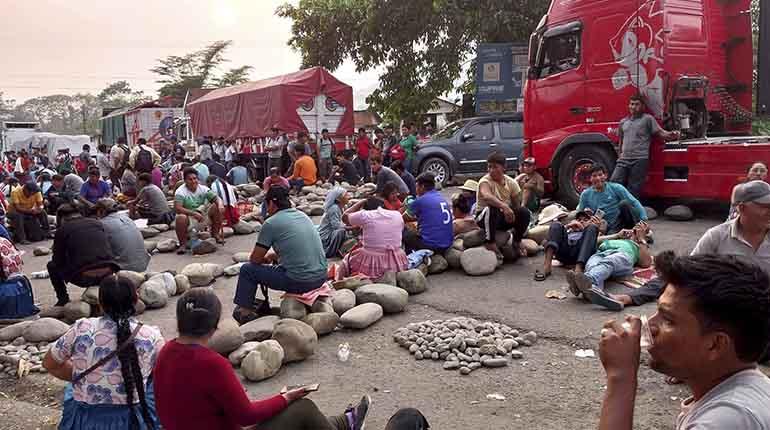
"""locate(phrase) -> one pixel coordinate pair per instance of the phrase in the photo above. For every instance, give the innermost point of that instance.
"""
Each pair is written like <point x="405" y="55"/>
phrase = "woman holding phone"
<point x="196" y="388"/>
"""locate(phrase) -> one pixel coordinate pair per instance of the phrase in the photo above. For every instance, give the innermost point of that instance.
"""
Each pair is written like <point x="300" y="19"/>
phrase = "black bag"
<point x="143" y="162"/>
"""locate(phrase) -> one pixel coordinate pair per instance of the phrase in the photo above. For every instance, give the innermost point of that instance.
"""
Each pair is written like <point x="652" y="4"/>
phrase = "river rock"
<point x="511" y="253"/>
<point x="351" y="283"/>
<point x="161" y="227"/>
<point x="244" y="228"/>
<point x="227" y="232"/>
<point x="233" y="270"/>
<point x="44" y="330"/>
<point x="135" y="278"/>
<point x="413" y="281"/>
<point x="139" y="307"/>
<point x="438" y="264"/>
<point x="260" y="329"/>
<point x="388" y="278"/>
<point x="198" y="274"/>
<point x="216" y="269"/>
<point x="153" y="293"/>
<point x="343" y="301"/>
<point x="293" y="308"/>
<point x="538" y="233"/>
<point x="322" y="304"/>
<point x="322" y="322"/>
<point x="452" y="257"/>
<point x="204" y="247"/>
<point x="495" y="362"/>
<point x="74" y="311"/>
<point x="40" y="251"/>
<point x="227" y="338"/>
<point x="52" y="312"/>
<point x="502" y="238"/>
<point x="651" y="213"/>
<point x="472" y="239"/>
<point x="167" y="245"/>
<point x="250" y="190"/>
<point x="362" y="316"/>
<point x="168" y="282"/>
<point x="241" y="257"/>
<point x="237" y="356"/>
<point x="299" y="340"/>
<point x="679" y="213"/>
<point x="531" y="247"/>
<point x="392" y="299"/>
<point x="148" y="232"/>
<point x="264" y="361"/>
<point x="11" y="332"/>
<point x="478" y="261"/>
<point x="182" y="283"/>
<point x="91" y="296"/>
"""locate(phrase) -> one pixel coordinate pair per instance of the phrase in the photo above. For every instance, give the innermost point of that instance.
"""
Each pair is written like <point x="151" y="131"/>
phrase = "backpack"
<point x="397" y="152"/>
<point x="80" y="166"/>
<point x="126" y="153"/>
<point x="16" y="298"/>
<point x="143" y="162"/>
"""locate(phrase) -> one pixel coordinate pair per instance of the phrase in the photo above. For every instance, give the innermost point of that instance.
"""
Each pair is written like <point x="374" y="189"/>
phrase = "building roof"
<point x="365" y="118"/>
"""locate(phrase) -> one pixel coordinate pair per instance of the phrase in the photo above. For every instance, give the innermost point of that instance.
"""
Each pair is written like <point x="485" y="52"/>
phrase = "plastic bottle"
<point x="343" y="353"/>
<point x="43" y="274"/>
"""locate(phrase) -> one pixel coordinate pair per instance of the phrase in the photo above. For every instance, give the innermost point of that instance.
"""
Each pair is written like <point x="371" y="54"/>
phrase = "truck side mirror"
<point x="533" y="73"/>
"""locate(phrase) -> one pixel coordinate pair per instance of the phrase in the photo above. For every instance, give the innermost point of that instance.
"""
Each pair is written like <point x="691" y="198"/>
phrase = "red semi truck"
<point x="691" y="60"/>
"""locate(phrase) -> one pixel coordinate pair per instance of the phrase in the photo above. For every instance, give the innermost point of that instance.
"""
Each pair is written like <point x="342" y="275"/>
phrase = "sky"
<point x="70" y="46"/>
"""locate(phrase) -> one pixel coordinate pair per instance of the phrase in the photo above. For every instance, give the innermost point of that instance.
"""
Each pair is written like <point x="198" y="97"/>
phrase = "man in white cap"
<point x="532" y="185"/>
<point x="469" y="190"/>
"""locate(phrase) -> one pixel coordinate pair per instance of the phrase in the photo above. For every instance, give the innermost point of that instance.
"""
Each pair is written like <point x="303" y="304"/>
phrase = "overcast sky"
<point x="70" y="46"/>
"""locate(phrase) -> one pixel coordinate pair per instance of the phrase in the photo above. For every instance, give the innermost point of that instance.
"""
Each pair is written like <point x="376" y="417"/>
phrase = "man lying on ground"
<point x="572" y="244"/>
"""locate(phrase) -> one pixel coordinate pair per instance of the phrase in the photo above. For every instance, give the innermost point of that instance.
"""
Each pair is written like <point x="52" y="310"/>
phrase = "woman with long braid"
<point x="109" y="361"/>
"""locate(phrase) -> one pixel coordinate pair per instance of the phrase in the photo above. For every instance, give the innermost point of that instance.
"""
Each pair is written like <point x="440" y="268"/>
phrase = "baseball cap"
<point x="529" y="160"/>
<point x="753" y="192"/>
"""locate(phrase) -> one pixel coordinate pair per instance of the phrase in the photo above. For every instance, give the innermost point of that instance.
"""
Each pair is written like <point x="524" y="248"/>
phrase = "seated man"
<point x="572" y="244"/>
<point x="408" y="178"/>
<point x="201" y="167"/>
<point x="150" y="203"/>
<point x="238" y="175"/>
<point x="709" y="331"/>
<point x="274" y="180"/>
<point x="305" y="171"/>
<point x="434" y="219"/>
<point x="94" y="188"/>
<point x="498" y="206"/>
<point x="345" y="170"/>
<point x="383" y="175"/>
<point x="461" y="211"/>
<point x="125" y="239"/>
<point x="297" y="250"/>
<point x="621" y="209"/>
<point x="27" y="207"/>
<point x="195" y="206"/>
<point x="64" y="189"/>
<point x="81" y="253"/>
<point x="216" y="167"/>
<point x="532" y="185"/>
<point x="618" y="255"/>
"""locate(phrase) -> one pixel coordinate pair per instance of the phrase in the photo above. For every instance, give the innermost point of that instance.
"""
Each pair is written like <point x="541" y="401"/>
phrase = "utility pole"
<point x="763" y="60"/>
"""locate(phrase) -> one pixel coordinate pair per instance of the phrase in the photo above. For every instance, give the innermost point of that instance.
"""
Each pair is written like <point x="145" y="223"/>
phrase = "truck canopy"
<point x="253" y="108"/>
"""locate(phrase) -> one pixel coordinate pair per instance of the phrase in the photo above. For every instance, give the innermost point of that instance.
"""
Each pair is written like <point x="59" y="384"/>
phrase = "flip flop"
<point x="541" y="276"/>
<point x="599" y="297"/>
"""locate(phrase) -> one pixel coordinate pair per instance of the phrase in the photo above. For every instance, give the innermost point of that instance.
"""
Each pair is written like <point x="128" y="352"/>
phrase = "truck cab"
<point x="690" y="60"/>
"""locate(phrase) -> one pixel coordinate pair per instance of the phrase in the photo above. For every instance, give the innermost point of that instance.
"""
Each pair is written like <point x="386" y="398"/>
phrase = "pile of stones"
<point x="469" y="254"/>
<point x="464" y="343"/>
<point x="28" y="341"/>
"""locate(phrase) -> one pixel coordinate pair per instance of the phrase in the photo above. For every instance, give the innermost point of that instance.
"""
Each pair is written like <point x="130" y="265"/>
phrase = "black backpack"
<point x="143" y="162"/>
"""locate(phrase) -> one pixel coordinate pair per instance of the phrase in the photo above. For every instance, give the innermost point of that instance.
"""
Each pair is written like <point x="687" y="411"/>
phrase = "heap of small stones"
<point x="464" y="343"/>
<point x="11" y="353"/>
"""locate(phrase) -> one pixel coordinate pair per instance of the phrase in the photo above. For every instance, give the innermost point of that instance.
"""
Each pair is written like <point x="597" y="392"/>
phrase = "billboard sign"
<point x="500" y="73"/>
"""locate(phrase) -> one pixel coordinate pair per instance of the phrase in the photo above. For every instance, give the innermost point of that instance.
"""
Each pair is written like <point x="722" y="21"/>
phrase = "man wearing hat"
<point x="27" y="206"/>
<point x="124" y="237"/>
<point x="532" y="185"/>
<point x="469" y="190"/>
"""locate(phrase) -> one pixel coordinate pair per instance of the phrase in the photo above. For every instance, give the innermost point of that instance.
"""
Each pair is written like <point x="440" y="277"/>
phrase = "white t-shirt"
<point x="741" y="401"/>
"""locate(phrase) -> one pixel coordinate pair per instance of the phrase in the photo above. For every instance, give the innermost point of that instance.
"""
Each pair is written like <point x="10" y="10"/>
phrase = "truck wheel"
<point x="574" y="171"/>
<point x="438" y="167"/>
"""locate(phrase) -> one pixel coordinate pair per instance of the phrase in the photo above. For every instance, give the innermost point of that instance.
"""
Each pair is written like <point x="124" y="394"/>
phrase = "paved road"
<point x="549" y="389"/>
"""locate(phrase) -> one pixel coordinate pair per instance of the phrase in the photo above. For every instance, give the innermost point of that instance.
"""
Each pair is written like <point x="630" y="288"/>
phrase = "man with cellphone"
<point x="621" y="209"/>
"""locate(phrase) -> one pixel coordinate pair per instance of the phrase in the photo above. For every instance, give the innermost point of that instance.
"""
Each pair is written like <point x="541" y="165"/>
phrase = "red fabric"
<point x="397" y="153"/>
<point x="232" y="215"/>
<point x="196" y="388"/>
<point x="362" y="146"/>
<point x="251" y="109"/>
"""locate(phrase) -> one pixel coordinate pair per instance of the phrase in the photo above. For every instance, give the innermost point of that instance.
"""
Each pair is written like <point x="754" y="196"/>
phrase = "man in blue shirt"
<point x="434" y="218"/>
<point x="94" y="188"/>
<point x="621" y="209"/>
<point x="238" y="175"/>
<point x="398" y="167"/>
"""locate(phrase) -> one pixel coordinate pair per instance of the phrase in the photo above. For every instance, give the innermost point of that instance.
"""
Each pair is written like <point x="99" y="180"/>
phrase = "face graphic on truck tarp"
<point x="638" y="50"/>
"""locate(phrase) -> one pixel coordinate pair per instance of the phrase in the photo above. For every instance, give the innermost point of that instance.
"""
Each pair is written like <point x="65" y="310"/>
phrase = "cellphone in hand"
<point x="599" y="214"/>
<point x="306" y="387"/>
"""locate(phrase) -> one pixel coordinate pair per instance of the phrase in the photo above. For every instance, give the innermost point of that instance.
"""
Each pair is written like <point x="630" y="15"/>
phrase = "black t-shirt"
<point x="350" y="173"/>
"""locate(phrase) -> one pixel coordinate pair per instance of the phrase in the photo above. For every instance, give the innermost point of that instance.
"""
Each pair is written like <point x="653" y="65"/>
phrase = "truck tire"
<point x="573" y="171"/>
<point x="438" y="167"/>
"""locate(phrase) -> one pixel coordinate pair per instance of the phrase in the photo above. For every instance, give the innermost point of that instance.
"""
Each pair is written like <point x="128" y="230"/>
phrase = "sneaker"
<point x="357" y="416"/>
<point x="599" y="297"/>
<point x="571" y="284"/>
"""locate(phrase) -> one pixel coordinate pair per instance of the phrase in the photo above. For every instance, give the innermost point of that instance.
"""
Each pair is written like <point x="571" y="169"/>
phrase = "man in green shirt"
<point x="617" y="256"/>
<point x="288" y="256"/>
<point x="409" y="145"/>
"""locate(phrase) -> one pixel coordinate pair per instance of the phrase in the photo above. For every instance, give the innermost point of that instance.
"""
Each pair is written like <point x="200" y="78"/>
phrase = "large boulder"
<point x="293" y="308"/>
<point x="362" y="316"/>
<point x="227" y="337"/>
<point x="161" y="227"/>
<point x="233" y="270"/>
<point x="531" y="247"/>
<point x="182" y="283"/>
<point x="343" y="301"/>
<point x="413" y="281"/>
<point x="539" y="233"/>
<point x="204" y="247"/>
<point x="511" y="253"/>
<point x="249" y="190"/>
<point x="244" y="228"/>
<point x="299" y="340"/>
<point x="139" y="307"/>
<point x="502" y="238"/>
<point x="392" y="299"/>
<point x="322" y="304"/>
<point x="351" y="283"/>
<point x="237" y="356"/>
<point x="323" y="322"/>
<point x="44" y="330"/>
<point x="651" y="213"/>
<point x="91" y="296"/>
<point x="241" y="257"/>
<point x="264" y="361"/>
<point x="149" y="232"/>
<point x="14" y="331"/>
<point x="40" y="251"/>
<point x="478" y="261"/>
<point x="167" y="245"/>
<point x="168" y="282"/>
<point x="216" y="269"/>
<point x="260" y="329"/>
<point x="438" y="264"/>
<point x="679" y="213"/>
<point x="74" y="311"/>
<point x="452" y="257"/>
<point x="154" y="293"/>
<point x="135" y="278"/>
<point x="388" y="278"/>
<point x="473" y="239"/>
<point x="198" y="275"/>
<point x="227" y="232"/>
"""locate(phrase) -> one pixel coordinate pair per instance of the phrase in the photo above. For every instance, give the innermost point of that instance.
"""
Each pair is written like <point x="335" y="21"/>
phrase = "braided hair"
<point x="117" y="297"/>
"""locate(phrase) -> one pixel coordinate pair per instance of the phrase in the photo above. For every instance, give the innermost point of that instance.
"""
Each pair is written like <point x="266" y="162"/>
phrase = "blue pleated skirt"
<point x="82" y="416"/>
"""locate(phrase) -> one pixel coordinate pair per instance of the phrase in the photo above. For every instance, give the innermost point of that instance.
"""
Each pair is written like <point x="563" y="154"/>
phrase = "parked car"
<point x="462" y="147"/>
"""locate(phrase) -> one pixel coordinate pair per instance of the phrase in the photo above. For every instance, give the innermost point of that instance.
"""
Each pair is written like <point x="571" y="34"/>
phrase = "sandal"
<point x="541" y="276"/>
<point x="182" y="250"/>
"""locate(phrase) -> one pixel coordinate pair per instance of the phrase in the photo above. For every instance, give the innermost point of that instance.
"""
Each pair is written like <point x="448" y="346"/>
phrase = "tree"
<point x="6" y="108"/>
<point x="197" y="70"/>
<point x="421" y="44"/>
<point x="120" y="95"/>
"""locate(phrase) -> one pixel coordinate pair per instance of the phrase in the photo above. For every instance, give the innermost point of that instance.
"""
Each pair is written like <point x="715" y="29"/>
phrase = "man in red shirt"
<point x="363" y="146"/>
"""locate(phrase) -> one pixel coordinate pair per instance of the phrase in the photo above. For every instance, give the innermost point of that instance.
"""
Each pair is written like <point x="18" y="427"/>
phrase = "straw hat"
<point x="551" y="213"/>
<point x="470" y="185"/>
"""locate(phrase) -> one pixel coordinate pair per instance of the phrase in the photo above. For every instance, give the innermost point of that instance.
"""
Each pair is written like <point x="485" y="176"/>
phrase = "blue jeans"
<point x="296" y="184"/>
<point x="274" y="277"/>
<point x="607" y="264"/>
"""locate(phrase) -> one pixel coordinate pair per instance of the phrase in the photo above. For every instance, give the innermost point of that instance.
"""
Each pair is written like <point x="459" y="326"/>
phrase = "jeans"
<point x="492" y="220"/>
<point x="325" y="168"/>
<point x="607" y="264"/>
<point x="59" y="280"/>
<point x="303" y="414"/>
<point x="572" y="253"/>
<point x="296" y="184"/>
<point x="364" y="169"/>
<point x="649" y="292"/>
<point x="413" y="242"/>
<point x="632" y="174"/>
<point x="19" y="219"/>
<point x="274" y="162"/>
<point x="274" y="277"/>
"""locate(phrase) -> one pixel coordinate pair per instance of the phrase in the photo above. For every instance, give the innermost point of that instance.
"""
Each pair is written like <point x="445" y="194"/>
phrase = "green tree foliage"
<point x="421" y="44"/>
<point x="197" y="70"/>
<point x="63" y="114"/>
<point x="120" y="95"/>
<point x="6" y="108"/>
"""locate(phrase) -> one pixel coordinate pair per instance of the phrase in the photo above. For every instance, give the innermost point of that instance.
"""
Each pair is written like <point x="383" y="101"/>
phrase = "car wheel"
<point x="438" y="167"/>
<point x="575" y="171"/>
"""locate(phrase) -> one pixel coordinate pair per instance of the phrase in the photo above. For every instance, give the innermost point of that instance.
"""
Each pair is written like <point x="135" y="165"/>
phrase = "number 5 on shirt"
<point x="445" y="211"/>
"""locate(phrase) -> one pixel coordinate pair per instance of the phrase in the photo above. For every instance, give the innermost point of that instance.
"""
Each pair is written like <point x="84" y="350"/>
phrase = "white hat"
<point x="551" y="212"/>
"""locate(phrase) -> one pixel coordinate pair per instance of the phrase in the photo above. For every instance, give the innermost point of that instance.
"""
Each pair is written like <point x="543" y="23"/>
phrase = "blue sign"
<point x="500" y="76"/>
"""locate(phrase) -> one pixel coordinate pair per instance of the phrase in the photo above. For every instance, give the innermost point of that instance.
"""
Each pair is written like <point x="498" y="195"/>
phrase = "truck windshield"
<point x="450" y="129"/>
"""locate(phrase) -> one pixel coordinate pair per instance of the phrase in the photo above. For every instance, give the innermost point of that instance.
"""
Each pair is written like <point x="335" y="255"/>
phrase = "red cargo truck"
<point x="691" y="60"/>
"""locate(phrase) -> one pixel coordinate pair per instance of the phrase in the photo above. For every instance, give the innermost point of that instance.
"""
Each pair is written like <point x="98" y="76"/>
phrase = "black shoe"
<point x="357" y="416"/>
<point x="599" y="297"/>
<point x="241" y="318"/>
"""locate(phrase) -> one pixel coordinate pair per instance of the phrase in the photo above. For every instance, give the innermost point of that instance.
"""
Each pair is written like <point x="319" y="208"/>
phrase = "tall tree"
<point x="421" y="44"/>
<point x="119" y="95"/>
<point x="6" y="108"/>
<point x="197" y="70"/>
